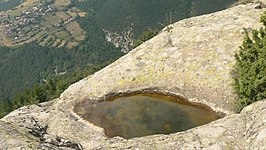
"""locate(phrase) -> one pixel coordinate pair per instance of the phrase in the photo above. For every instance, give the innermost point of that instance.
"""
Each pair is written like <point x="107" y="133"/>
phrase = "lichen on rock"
<point x="192" y="59"/>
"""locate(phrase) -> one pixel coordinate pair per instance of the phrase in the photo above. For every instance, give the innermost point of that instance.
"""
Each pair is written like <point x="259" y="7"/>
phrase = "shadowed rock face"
<point x="144" y="114"/>
<point x="13" y="137"/>
<point x="192" y="59"/>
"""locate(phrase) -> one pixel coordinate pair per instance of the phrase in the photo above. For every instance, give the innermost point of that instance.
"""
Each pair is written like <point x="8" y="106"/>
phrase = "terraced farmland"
<point x="43" y="21"/>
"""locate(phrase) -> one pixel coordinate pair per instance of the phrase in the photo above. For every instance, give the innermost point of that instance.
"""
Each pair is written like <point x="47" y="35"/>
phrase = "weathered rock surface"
<point x="191" y="58"/>
<point x="12" y="137"/>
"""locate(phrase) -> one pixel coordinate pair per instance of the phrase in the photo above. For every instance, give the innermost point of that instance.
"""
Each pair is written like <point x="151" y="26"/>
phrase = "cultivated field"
<point x="43" y="21"/>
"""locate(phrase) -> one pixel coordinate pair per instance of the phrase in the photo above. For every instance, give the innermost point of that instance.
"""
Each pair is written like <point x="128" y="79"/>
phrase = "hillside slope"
<point x="192" y="59"/>
<point x="38" y="37"/>
<point x="129" y="19"/>
<point x="115" y="15"/>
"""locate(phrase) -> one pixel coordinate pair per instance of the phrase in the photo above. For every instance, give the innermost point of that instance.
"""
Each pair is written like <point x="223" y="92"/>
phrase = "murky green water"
<point x="144" y="114"/>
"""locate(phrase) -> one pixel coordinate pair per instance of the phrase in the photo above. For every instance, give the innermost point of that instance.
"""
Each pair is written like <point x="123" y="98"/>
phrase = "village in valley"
<point x="47" y="22"/>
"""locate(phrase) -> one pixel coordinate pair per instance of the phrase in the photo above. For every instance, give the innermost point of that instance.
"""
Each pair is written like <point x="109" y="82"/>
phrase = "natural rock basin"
<point x="138" y="115"/>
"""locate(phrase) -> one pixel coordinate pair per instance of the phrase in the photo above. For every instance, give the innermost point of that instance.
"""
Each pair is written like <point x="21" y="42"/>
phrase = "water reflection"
<point x="144" y="114"/>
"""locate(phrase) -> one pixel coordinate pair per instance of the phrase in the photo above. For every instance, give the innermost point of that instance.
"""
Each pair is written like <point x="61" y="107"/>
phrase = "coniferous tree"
<point x="145" y="36"/>
<point x="250" y="69"/>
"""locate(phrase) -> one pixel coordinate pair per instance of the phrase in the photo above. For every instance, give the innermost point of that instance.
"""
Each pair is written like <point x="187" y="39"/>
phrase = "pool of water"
<point x="144" y="114"/>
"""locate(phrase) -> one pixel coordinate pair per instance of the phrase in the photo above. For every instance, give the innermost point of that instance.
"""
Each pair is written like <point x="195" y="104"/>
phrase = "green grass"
<point x="3" y="19"/>
<point x="46" y="40"/>
<point x="38" y="35"/>
<point x="15" y="13"/>
<point x="76" y="32"/>
<point x="63" y="35"/>
<point x="27" y="29"/>
<point x="51" y="20"/>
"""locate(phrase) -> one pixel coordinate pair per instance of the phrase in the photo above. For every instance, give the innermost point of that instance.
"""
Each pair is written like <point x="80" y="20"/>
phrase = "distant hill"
<point x="117" y="16"/>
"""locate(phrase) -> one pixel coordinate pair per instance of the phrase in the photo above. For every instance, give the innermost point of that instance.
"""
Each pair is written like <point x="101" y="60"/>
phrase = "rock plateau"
<point x="191" y="58"/>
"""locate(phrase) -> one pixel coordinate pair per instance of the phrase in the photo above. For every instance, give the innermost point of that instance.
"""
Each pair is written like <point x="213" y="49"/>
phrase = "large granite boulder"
<point x="192" y="59"/>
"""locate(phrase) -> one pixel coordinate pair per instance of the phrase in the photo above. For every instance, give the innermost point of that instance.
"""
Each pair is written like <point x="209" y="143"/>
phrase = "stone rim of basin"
<point x="183" y="99"/>
<point x="78" y="110"/>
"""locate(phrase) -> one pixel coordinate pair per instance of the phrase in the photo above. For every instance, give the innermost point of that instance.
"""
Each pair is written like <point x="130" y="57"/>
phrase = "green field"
<point x="50" y="20"/>
<point x="63" y="35"/>
<point x="54" y="23"/>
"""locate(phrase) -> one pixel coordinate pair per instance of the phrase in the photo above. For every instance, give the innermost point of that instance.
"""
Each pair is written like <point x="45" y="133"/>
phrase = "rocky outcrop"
<point x="14" y="137"/>
<point x="246" y="130"/>
<point x="123" y="40"/>
<point x="193" y="59"/>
